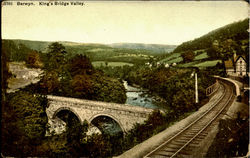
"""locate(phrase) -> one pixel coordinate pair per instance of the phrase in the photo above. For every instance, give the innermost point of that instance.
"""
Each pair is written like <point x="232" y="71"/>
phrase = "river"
<point x="143" y="99"/>
<point x="108" y="125"/>
<point x="135" y="98"/>
<point x="25" y="76"/>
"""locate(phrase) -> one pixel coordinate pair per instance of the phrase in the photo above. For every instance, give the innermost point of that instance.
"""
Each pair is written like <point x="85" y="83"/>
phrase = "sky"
<point x="169" y="22"/>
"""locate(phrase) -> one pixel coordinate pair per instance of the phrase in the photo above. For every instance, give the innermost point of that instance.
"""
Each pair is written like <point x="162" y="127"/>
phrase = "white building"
<point x="240" y="66"/>
<point x="237" y="66"/>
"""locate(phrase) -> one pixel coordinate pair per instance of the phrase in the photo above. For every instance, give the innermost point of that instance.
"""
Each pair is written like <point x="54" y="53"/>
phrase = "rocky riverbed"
<point x="21" y="76"/>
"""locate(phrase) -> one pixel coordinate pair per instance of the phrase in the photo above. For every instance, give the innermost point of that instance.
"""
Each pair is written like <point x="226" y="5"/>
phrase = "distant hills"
<point x="18" y="50"/>
<point x="158" y="48"/>
<point x="42" y="45"/>
<point x="153" y="48"/>
<point x="35" y="45"/>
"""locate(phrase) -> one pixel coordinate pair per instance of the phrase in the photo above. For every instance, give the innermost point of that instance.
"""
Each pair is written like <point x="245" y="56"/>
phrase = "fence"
<point x="213" y="88"/>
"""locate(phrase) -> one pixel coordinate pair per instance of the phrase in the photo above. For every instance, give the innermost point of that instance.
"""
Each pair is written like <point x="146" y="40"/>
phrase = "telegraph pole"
<point x="196" y="89"/>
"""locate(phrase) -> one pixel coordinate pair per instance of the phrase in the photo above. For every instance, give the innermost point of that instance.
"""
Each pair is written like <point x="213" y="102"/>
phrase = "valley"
<point x="86" y="87"/>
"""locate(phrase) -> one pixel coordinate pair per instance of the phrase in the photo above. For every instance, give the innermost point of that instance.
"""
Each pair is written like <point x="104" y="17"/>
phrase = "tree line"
<point x="76" y="77"/>
<point x="24" y="120"/>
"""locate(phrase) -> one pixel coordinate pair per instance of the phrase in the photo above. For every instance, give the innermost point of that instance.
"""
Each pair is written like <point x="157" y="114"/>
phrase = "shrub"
<point x="23" y="124"/>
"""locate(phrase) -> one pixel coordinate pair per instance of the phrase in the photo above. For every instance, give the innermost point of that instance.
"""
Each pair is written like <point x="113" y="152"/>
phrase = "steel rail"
<point x="191" y="124"/>
<point x="225" y="105"/>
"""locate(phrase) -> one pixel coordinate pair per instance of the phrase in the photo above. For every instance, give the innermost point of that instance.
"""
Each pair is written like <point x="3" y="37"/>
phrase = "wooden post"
<point x="196" y="89"/>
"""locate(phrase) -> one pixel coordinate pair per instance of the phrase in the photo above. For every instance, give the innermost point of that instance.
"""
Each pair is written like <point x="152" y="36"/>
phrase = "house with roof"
<point x="236" y="66"/>
<point x="241" y="66"/>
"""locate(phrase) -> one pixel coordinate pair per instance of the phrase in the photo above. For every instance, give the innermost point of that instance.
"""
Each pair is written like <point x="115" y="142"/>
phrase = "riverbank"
<point x="142" y="97"/>
<point x="21" y="76"/>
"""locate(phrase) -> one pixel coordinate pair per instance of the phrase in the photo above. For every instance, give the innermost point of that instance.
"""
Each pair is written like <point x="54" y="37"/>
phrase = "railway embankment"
<point x="231" y="138"/>
<point x="227" y="138"/>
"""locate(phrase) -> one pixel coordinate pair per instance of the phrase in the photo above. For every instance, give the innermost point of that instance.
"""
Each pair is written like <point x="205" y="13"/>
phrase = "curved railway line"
<point x="184" y="142"/>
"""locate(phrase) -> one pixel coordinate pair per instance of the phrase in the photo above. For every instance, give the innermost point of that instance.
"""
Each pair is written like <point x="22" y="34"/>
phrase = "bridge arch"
<point x="110" y="116"/>
<point x="69" y="109"/>
<point x="124" y="116"/>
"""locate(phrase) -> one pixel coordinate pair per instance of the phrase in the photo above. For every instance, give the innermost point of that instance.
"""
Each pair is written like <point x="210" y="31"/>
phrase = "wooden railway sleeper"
<point x="218" y="104"/>
<point x="195" y="141"/>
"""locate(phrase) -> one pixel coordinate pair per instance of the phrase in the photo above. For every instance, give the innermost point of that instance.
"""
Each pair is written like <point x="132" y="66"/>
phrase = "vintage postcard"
<point x="127" y="79"/>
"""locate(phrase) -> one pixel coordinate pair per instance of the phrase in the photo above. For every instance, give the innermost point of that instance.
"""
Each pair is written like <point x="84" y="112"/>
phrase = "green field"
<point x="112" y="64"/>
<point x="207" y="63"/>
<point x="173" y="58"/>
<point x="200" y="51"/>
<point x="100" y="50"/>
<point x="176" y="60"/>
<point x="190" y="64"/>
<point x="201" y="56"/>
<point x="200" y="64"/>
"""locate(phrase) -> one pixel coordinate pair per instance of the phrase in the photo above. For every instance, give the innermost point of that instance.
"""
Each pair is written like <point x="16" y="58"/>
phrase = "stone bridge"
<point x="125" y="115"/>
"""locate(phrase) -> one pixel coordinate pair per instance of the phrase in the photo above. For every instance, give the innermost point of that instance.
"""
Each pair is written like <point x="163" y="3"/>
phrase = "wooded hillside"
<point x="235" y="31"/>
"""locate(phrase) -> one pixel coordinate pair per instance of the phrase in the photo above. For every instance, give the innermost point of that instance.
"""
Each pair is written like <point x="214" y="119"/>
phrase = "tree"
<point x="80" y="65"/>
<point x="50" y="82"/>
<point x="188" y="56"/>
<point x="55" y="68"/>
<point x="15" y="51"/>
<point x="33" y="60"/>
<point x="98" y="146"/>
<point x="23" y="124"/>
<point x="226" y="49"/>
<point x="82" y="86"/>
<point x="156" y="119"/>
<point x="56" y="57"/>
<point x="75" y="132"/>
<point x="5" y="73"/>
<point x="108" y="89"/>
<point x="213" y="51"/>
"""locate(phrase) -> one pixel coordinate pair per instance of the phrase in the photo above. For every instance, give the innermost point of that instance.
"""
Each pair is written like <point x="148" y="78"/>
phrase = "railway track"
<point x="184" y="142"/>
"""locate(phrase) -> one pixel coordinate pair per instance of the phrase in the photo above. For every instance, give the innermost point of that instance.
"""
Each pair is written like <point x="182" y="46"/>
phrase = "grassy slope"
<point x="201" y="60"/>
<point x="174" y="57"/>
<point x="201" y="56"/>
<point x="236" y="31"/>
